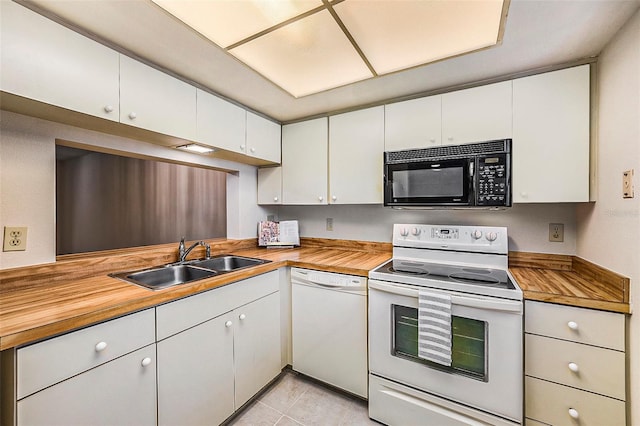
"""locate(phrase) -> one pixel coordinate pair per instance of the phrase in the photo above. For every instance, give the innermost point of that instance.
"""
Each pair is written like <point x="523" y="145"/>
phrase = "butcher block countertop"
<point x="41" y="301"/>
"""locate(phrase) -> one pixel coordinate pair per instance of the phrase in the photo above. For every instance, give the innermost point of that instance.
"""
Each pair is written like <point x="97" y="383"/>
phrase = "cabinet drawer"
<point x="177" y="316"/>
<point x="46" y="363"/>
<point x="592" y="327"/>
<point x="550" y="403"/>
<point x="598" y="370"/>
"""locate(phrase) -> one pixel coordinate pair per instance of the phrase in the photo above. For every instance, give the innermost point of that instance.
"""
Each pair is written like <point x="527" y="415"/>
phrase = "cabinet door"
<point x="263" y="138"/>
<point x="256" y="346"/>
<point x="304" y="162"/>
<point x="195" y="374"/>
<point x="270" y="185"/>
<point x="45" y="61"/>
<point x="155" y="101"/>
<point x="551" y="137"/>
<point x="220" y="123"/>
<point x="413" y="124"/>
<point x="477" y="114"/>
<point x="356" y="146"/>
<point x="120" y="392"/>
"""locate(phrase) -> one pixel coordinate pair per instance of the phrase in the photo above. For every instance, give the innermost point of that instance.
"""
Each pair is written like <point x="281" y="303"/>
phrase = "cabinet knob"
<point x="242" y="147"/>
<point x="334" y="198"/>
<point x="132" y="115"/>
<point x="108" y="108"/>
<point x="524" y="194"/>
<point x="242" y="316"/>
<point x="574" y="413"/>
<point x="146" y="362"/>
<point x="432" y="140"/>
<point x="275" y="198"/>
<point x="572" y="325"/>
<point x="450" y="138"/>
<point x="574" y="367"/>
<point x="101" y="346"/>
<point x="228" y="324"/>
<point x="252" y="149"/>
<point x="320" y="198"/>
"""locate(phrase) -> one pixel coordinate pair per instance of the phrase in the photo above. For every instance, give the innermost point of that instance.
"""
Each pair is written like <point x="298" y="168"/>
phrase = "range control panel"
<point x="485" y="239"/>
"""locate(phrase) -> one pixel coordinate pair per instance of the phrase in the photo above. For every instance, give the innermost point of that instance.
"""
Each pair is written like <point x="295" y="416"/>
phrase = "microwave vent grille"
<point x="449" y="151"/>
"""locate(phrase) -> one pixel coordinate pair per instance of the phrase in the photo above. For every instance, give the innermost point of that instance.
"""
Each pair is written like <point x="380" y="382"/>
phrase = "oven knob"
<point x="415" y="231"/>
<point x="404" y="232"/>
<point x="476" y="234"/>
<point x="492" y="236"/>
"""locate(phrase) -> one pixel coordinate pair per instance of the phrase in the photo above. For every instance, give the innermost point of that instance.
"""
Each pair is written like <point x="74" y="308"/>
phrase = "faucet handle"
<point x="181" y="248"/>
<point x="207" y="248"/>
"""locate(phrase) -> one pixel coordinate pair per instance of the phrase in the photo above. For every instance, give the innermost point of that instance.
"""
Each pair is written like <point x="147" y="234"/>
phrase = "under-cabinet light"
<point x="193" y="147"/>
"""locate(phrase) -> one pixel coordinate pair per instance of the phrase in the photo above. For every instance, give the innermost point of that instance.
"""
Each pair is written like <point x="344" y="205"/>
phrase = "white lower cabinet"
<point x="120" y="392"/>
<point x="575" y="371"/>
<point x="213" y="365"/>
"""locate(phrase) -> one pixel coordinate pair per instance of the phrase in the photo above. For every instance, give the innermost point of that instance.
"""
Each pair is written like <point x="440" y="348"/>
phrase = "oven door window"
<point x="468" y="347"/>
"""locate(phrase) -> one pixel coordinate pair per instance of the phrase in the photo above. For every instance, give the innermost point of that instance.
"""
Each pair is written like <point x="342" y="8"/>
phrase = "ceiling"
<point x="538" y="34"/>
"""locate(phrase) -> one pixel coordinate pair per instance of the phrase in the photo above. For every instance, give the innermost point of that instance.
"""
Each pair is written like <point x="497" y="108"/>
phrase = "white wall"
<point x="27" y="182"/>
<point x="609" y="230"/>
<point x="528" y="224"/>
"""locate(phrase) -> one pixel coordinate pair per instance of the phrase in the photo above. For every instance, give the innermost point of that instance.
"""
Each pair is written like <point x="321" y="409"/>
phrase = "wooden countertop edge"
<point x="618" y="307"/>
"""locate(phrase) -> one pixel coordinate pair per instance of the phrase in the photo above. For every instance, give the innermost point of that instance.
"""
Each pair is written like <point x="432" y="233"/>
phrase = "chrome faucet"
<point x="182" y="253"/>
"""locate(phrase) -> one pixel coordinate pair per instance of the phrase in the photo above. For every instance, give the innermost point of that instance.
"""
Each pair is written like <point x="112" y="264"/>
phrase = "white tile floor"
<point x="295" y="400"/>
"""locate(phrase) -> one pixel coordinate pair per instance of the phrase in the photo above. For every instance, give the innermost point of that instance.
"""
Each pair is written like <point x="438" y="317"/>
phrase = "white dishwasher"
<point x="329" y="316"/>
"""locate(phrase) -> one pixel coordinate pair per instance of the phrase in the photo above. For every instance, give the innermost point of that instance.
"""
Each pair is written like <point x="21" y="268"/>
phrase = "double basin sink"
<point x="173" y="274"/>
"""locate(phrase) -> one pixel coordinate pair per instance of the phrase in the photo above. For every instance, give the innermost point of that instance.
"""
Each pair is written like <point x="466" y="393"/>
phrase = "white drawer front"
<point x="580" y="325"/>
<point x="51" y="361"/>
<point x="585" y="367"/>
<point x="557" y="405"/>
<point x="177" y="316"/>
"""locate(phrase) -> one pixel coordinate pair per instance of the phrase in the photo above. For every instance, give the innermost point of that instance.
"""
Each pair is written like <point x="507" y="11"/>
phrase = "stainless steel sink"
<point x="227" y="263"/>
<point x="165" y="276"/>
<point x="181" y="273"/>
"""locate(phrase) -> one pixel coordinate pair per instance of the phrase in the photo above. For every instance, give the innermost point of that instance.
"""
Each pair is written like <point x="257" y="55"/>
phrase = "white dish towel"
<point x="434" y="327"/>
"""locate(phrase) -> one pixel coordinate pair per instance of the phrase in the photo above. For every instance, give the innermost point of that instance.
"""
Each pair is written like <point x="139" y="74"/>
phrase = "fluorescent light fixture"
<point x="194" y="147"/>
<point x="309" y="46"/>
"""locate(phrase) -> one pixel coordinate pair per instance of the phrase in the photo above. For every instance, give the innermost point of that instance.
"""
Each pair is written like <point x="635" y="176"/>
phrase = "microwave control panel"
<point x="492" y="183"/>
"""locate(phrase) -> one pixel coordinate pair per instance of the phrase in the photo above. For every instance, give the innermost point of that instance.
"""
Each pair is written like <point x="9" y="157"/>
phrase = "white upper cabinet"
<point x="155" y="101"/>
<point x="263" y="138"/>
<point x="220" y="123"/>
<point x="478" y="114"/>
<point x="551" y="136"/>
<point x="47" y="62"/>
<point x="270" y="185"/>
<point x="304" y="162"/>
<point x="416" y="123"/>
<point x="356" y="143"/>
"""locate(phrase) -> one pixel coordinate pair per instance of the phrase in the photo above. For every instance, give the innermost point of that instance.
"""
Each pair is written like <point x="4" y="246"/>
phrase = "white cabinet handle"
<point x="242" y="147"/>
<point x="132" y="115"/>
<point x="101" y="346"/>
<point x="146" y="362"/>
<point x="524" y="194"/>
<point x="228" y="324"/>
<point x="432" y="140"/>
<point x="253" y="150"/>
<point x="572" y="325"/>
<point x="334" y="198"/>
<point x="320" y="198"/>
<point x="450" y="138"/>
<point x="275" y="198"/>
<point x="242" y="316"/>
<point x="574" y="367"/>
<point x="108" y="108"/>
<point x="574" y="413"/>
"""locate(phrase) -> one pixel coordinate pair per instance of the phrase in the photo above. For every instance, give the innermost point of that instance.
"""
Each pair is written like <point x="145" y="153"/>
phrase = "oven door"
<point x="429" y="183"/>
<point x="486" y="371"/>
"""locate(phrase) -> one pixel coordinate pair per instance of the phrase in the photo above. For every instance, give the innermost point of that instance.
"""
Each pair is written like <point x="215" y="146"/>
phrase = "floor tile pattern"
<point x="295" y="400"/>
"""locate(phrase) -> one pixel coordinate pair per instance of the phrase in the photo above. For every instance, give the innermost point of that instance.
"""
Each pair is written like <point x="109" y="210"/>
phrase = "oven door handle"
<point x="493" y="304"/>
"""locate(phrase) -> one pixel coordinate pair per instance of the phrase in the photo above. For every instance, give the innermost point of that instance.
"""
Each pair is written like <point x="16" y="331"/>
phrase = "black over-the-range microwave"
<point x="471" y="175"/>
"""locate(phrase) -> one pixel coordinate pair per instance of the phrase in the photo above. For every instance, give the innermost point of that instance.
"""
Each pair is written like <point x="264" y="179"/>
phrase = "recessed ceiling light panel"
<point x="396" y="35"/>
<point x="226" y="22"/>
<point x="306" y="56"/>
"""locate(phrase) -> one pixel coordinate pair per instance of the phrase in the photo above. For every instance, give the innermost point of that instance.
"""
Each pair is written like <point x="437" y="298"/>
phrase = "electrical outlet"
<point x="556" y="232"/>
<point x="15" y="238"/>
<point x="627" y="184"/>
<point x="329" y="224"/>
